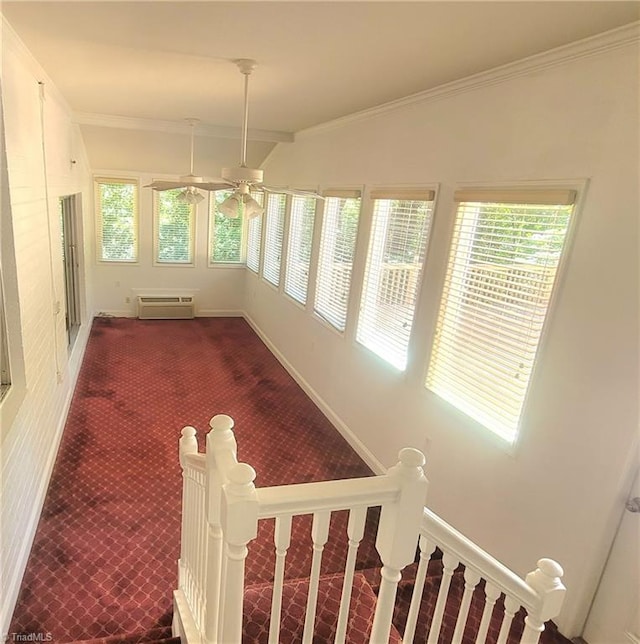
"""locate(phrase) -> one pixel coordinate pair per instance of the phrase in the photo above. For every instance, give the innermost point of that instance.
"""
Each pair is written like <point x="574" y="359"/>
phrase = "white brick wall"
<point x="30" y="437"/>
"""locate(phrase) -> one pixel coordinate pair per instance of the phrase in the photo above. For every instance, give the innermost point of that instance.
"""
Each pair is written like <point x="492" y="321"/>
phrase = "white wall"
<point x="219" y="289"/>
<point x="43" y="368"/>
<point x="558" y="494"/>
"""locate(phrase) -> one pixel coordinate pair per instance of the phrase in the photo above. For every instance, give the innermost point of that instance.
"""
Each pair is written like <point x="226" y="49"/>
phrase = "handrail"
<point x="305" y="498"/>
<point x="195" y="461"/>
<point x="481" y="561"/>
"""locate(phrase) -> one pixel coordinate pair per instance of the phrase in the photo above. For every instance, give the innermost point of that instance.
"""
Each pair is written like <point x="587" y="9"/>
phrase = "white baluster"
<point x="398" y="533"/>
<point x="214" y="576"/>
<point x="491" y="594"/>
<point x="471" y="580"/>
<point x="282" y="540"/>
<point x="355" y="532"/>
<point x="219" y="439"/>
<point x="546" y="580"/>
<point x="510" y="608"/>
<point x="240" y="525"/>
<point x="202" y="544"/>
<point x="449" y="564"/>
<point x="319" y="535"/>
<point x="190" y="539"/>
<point x="188" y="445"/>
<point x="427" y="548"/>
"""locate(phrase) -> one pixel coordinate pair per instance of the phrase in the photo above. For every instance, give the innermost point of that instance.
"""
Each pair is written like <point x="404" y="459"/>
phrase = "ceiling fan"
<point x="190" y="182"/>
<point x="242" y="179"/>
<point x="245" y="179"/>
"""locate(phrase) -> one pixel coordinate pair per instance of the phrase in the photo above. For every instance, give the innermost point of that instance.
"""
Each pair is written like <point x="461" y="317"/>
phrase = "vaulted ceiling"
<point x="133" y="71"/>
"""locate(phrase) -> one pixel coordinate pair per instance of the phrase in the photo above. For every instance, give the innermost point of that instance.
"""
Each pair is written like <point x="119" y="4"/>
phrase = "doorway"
<point x="70" y="212"/>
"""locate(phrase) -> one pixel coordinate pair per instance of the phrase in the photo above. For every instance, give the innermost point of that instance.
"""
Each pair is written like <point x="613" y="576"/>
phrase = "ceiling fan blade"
<point x="201" y="185"/>
<point x="213" y="186"/>
<point x="293" y="191"/>
<point x="166" y="185"/>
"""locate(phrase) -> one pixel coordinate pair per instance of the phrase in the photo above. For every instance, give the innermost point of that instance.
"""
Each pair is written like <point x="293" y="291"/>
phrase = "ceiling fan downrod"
<point x="246" y="66"/>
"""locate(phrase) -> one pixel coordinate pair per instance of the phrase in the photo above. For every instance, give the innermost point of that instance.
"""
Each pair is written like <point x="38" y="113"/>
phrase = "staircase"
<point x="356" y="560"/>
<point x="160" y="635"/>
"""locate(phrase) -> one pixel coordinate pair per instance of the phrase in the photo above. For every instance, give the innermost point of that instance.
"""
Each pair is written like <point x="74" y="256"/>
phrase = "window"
<point x="397" y="251"/>
<point x="174" y="220"/>
<point x="337" y="249"/>
<point x="503" y="263"/>
<point x="274" y="232"/>
<point x="296" y="279"/>
<point x="254" y="236"/>
<point x="5" y="372"/>
<point x="225" y="233"/>
<point x="117" y="209"/>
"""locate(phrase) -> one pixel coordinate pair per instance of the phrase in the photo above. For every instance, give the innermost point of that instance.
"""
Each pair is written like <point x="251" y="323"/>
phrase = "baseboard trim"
<point x="361" y="449"/>
<point x="13" y="588"/>
<point x="200" y="313"/>
<point x="218" y="313"/>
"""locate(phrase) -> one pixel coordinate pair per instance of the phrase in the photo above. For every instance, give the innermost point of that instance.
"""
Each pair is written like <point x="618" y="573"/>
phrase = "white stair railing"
<point x="221" y="512"/>
<point x="540" y="594"/>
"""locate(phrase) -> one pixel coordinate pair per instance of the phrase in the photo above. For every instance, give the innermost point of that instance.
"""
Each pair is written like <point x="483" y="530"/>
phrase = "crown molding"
<point x="178" y="127"/>
<point x="594" y="45"/>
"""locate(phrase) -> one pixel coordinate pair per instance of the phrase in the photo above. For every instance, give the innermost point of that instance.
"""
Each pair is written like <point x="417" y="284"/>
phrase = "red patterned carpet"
<point x="103" y="564"/>
<point x="104" y="558"/>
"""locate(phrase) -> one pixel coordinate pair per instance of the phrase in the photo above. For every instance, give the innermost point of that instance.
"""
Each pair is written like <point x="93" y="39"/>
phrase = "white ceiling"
<point x="166" y="61"/>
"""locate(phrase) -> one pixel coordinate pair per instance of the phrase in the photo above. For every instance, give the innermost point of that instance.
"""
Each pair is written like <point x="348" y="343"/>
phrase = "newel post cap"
<point x="546" y="580"/>
<point x="221" y="423"/>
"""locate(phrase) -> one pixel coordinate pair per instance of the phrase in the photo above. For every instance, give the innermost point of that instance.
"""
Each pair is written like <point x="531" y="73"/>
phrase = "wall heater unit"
<point x="166" y="307"/>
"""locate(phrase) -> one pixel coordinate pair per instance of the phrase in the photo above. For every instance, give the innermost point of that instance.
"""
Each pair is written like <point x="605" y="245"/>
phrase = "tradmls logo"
<point x="29" y="637"/>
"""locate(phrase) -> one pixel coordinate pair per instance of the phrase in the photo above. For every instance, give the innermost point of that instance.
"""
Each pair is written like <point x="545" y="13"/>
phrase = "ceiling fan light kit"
<point x="240" y="179"/>
<point x="190" y="195"/>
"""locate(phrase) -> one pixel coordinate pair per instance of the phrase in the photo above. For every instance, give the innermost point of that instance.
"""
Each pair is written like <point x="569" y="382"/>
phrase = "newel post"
<point x="546" y="580"/>
<point x="398" y="534"/>
<point x="188" y="443"/>
<point x="239" y="519"/>
<point x="220" y="440"/>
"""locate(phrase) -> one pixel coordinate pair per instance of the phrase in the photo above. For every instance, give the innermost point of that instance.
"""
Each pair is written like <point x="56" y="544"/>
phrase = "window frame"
<point x="97" y="180"/>
<point x="426" y="194"/>
<point x="264" y="239"/>
<point x="290" y="230"/>
<point x="579" y="187"/>
<point x="337" y="193"/>
<point x="156" y="233"/>
<point x="211" y="233"/>
<point x="5" y="361"/>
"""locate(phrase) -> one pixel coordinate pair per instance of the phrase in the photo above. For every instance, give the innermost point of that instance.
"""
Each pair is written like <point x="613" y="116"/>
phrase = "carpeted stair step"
<point x="161" y="635"/>
<point x="257" y="611"/>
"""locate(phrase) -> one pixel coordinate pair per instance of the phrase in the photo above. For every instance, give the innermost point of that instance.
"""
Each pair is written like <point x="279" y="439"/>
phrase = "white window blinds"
<point x="254" y="236"/>
<point x="225" y="233"/>
<point x="174" y="228"/>
<point x="117" y="207"/>
<point x="397" y="251"/>
<point x="296" y="278"/>
<point x="337" y="249"/>
<point x="274" y="232"/>
<point x="502" y="268"/>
